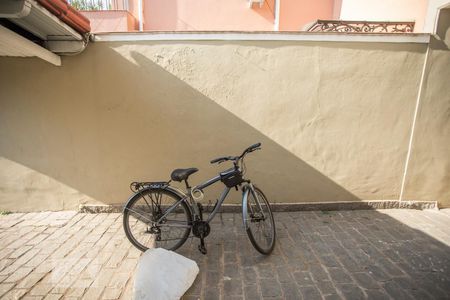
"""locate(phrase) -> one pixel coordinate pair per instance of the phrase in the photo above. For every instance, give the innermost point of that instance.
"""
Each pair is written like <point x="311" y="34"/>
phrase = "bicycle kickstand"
<point x="202" y="247"/>
<point x="202" y="230"/>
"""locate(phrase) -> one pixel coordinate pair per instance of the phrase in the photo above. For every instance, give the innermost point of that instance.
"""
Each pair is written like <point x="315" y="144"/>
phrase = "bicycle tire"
<point x="132" y="210"/>
<point x="252" y="200"/>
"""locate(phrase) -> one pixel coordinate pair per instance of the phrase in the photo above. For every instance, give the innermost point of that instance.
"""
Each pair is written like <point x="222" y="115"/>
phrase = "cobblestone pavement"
<point x="397" y="254"/>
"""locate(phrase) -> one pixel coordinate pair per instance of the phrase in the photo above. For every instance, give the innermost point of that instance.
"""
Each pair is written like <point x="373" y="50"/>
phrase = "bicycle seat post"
<point x="187" y="184"/>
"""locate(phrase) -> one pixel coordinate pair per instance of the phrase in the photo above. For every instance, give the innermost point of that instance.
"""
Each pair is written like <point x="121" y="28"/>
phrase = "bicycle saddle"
<point x="182" y="174"/>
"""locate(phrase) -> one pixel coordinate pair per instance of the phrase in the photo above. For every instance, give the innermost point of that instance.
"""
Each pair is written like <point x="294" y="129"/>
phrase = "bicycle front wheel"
<point x="258" y="220"/>
<point x="142" y="212"/>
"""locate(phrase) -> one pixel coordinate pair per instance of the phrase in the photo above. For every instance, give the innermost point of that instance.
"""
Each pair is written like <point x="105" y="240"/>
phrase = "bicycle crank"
<point x="201" y="230"/>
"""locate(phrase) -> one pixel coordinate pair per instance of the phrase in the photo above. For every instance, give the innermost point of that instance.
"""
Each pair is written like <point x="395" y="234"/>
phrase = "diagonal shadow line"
<point x="139" y="122"/>
<point x="273" y="162"/>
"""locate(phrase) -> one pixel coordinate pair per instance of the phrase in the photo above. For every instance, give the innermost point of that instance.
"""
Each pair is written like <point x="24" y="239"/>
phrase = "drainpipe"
<point x="276" y="26"/>
<point x="141" y="17"/>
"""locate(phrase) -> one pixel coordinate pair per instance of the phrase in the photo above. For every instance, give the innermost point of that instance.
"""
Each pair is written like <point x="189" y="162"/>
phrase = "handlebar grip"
<point x="222" y="159"/>
<point x="251" y="149"/>
<point x="254" y="146"/>
<point x="216" y="160"/>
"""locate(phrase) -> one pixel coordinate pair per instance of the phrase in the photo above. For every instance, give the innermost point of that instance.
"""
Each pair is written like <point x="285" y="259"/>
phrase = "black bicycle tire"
<point x="136" y="197"/>
<point x="249" y="232"/>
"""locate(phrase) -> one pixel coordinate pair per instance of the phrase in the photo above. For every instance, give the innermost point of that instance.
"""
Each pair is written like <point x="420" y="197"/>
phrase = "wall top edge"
<point x="421" y="38"/>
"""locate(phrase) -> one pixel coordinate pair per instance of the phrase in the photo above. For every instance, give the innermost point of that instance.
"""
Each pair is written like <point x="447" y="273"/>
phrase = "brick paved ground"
<point x="397" y="254"/>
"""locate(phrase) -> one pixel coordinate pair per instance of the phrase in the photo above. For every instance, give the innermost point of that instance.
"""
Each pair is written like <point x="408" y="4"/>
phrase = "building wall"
<point x="191" y="15"/>
<point x="334" y="119"/>
<point x="429" y="165"/>
<point x="386" y="10"/>
<point x="111" y="21"/>
<point x="234" y="14"/>
<point x="295" y="14"/>
<point x="179" y="15"/>
<point x="433" y="8"/>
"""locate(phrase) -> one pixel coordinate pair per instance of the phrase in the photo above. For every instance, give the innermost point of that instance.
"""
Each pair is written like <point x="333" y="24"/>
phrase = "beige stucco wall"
<point x="334" y="119"/>
<point x="429" y="175"/>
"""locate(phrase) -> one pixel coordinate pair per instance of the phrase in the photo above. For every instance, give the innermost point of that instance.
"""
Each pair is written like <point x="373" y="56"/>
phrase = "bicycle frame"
<point x="192" y="204"/>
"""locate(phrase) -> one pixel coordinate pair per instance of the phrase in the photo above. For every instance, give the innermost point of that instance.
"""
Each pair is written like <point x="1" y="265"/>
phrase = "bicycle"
<point x="161" y="215"/>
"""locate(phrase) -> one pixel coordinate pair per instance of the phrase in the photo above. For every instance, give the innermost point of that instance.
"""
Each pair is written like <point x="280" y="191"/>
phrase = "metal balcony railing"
<point x="361" y="26"/>
<point x="99" y="4"/>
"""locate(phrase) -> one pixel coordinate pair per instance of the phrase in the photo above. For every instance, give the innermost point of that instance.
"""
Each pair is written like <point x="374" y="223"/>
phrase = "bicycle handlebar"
<point x="222" y="159"/>
<point x="252" y="148"/>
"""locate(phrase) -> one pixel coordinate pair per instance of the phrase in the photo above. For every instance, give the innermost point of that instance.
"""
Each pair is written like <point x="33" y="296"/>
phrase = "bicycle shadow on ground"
<point x="362" y="254"/>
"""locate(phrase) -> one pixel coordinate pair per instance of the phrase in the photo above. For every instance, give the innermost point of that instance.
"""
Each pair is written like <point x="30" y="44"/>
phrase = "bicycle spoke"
<point x="140" y="215"/>
<point x="260" y="222"/>
<point x="175" y="225"/>
<point x="149" y="226"/>
<point x="150" y="207"/>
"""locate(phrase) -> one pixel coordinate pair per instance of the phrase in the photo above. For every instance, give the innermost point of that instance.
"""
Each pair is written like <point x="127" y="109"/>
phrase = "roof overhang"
<point x="33" y="17"/>
<point x="13" y="44"/>
<point x="49" y="21"/>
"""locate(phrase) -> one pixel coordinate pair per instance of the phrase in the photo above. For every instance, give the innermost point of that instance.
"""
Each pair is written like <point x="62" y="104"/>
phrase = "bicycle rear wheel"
<point x="148" y="206"/>
<point x="259" y="222"/>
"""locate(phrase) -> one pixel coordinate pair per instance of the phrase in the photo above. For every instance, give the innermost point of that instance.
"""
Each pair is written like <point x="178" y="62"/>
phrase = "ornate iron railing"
<point x="361" y="26"/>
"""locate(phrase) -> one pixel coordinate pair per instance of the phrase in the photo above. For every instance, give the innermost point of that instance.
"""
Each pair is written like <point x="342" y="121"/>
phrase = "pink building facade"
<point x="251" y="15"/>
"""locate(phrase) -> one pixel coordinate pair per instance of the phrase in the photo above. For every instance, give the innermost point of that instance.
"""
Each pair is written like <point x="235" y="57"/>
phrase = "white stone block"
<point x="163" y="274"/>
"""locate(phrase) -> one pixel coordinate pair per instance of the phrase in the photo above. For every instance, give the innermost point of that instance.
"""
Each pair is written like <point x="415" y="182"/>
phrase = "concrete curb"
<point x="304" y="206"/>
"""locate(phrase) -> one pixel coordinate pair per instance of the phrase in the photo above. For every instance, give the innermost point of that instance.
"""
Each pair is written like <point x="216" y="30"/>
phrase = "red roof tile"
<point x="68" y="14"/>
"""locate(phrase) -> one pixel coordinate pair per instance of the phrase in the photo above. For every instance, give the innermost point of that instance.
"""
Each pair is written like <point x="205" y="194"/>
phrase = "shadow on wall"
<point x="128" y="121"/>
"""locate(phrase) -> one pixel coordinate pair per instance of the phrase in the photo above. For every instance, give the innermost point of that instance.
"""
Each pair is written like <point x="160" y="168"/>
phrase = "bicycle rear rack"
<point x="138" y="186"/>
